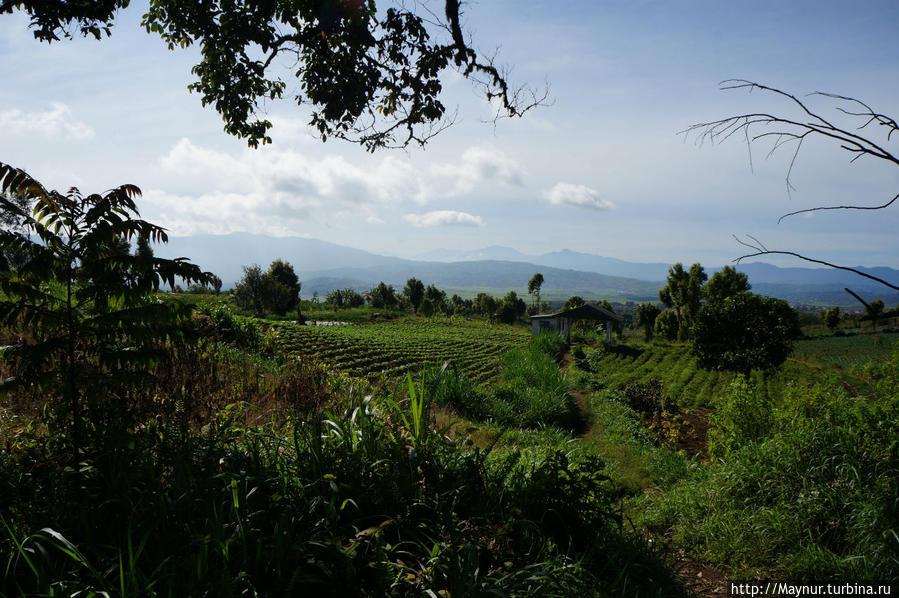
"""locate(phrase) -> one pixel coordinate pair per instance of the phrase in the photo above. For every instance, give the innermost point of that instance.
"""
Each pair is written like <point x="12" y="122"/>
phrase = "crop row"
<point x="393" y="348"/>
<point x="681" y="376"/>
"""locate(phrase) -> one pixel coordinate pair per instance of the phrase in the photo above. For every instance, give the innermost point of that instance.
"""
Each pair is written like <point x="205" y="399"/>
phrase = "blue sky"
<point x="602" y="170"/>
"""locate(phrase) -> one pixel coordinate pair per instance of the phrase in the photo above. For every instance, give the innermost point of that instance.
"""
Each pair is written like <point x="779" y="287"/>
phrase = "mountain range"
<point x="324" y="266"/>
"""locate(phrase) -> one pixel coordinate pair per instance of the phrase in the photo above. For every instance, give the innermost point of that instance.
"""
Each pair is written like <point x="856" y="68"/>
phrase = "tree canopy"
<point x="725" y="283"/>
<point x="683" y="292"/>
<point x="745" y="332"/>
<point x="371" y="75"/>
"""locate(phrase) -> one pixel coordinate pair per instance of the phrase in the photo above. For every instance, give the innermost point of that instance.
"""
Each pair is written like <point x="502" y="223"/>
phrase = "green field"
<point x="676" y="368"/>
<point x="392" y="348"/>
<point x="847" y="351"/>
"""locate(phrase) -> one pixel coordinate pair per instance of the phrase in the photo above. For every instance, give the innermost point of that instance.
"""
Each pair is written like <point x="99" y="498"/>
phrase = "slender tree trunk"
<point x="70" y="366"/>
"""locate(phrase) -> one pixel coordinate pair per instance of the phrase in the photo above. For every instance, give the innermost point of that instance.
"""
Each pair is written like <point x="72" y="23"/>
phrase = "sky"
<point x="602" y="169"/>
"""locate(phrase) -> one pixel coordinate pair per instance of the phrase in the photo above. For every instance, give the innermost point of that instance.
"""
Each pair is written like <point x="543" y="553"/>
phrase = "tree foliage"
<point x="667" y="325"/>
<point x="725" y="283"/>
<point x="832" y="318"/>
<point x="683" y="292"/>
<point x="414" y="292"/>
<point x="80" y="296"/>
<point x="345" y="299"/>
<point x="574" y="301"/>
<point x="276" y="291"/>
<point x="873" y="311"/>
<point x="485" y="304"/>
<point x="286" y="287"/>
<point x="534" y="286"/>
<point x="745" y="332"/>
<point x="436" y="297"/>
<point x="382" y="296"/>
<point x="511" y="308"/>
<point x="251" y="290"/>
<point x="372" y="76"/>
<point x="646" y="318"/>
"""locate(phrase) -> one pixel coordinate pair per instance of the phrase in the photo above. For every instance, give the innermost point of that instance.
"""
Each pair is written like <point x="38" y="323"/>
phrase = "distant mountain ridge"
<point x="323" y="266"/>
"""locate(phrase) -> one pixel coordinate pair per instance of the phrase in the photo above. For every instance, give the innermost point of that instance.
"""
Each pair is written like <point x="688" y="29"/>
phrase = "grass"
<point x="358" y="502"/>
<point x="847" y="351"/>
<point x="244" y="471"/>
<point x="810" y="495"/>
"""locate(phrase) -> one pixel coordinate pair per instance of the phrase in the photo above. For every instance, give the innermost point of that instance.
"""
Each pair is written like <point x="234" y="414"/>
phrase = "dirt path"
<point x="700" y="579"/>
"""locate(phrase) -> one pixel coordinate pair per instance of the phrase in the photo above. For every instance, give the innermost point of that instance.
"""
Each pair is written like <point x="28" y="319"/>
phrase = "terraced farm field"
<point x="681" y="378"/>
<point x="395" y="347"/>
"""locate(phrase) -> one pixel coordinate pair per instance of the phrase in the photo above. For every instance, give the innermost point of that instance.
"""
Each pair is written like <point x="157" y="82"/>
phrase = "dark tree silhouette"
<point x="372" y="76"/>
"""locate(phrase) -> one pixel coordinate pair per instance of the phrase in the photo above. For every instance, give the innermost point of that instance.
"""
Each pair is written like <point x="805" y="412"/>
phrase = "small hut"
<point x="560" y="322"/>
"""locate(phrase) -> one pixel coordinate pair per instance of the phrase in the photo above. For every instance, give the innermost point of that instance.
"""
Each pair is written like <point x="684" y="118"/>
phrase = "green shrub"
<point x="813" y="494"/>
<point x="450" y="387"/>
<point x="744" y="415"/>
<point x="667" y="325"/>
<point x="549" y="343"/>
<point x="532" y="392"/>
<point x="353" y="503"/>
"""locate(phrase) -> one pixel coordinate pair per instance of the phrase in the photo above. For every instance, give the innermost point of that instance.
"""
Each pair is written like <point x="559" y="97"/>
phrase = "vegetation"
<point x="744" y="332"/>
<point x="534" y="286"/>
<point x="394" y="348"/>
<point x="806" y="487"/>
<point x="372" y="77"/>
<point x="80" y="299"/>
<point x="683" y="292"/>
<point x="412" y="455"/>
<point x="276" y="291"/>
<point x="646" y="318"/>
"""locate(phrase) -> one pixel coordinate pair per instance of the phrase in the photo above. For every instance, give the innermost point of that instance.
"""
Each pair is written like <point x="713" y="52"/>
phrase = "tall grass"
<point x="532" y="392"/>
<point x="356" y="502"/>
<point x="812" y="494"/>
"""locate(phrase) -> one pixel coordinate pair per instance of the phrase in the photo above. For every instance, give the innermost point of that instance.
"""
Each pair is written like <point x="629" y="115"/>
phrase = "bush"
<point x="549" y="343"/>
<point x="533" y="392"/>
<point x="449" y="387"/>
<point x="667" y="325"/>
<point x="745" y="415"/>
<point x="339" y="504"/>
<point x="812" y="494"/>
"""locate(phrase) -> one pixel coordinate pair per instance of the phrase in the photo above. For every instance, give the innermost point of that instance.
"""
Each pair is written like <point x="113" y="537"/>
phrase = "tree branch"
<point x="760" y="249"/>
<point x="880" y="207"/>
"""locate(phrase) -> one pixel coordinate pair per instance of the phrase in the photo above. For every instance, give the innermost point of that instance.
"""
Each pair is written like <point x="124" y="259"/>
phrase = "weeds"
<point x="333" y="504"/>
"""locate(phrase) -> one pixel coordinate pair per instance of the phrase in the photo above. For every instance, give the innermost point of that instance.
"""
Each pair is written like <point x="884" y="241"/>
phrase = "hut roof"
<point x="587" y="311"/>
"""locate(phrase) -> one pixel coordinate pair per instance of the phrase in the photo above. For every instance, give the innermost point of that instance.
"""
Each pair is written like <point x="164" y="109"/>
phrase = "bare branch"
<point x="860" y="300"/>
<point x="760" y="249"/>
<point x="880" y="207"/>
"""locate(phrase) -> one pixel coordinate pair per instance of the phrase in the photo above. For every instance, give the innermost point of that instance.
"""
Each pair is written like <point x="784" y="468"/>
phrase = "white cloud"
<point x="577" y="195"/>
<point x="55" y="122"/>
<point x="479" y="164"/>
<point x="203" y="189"/>
<point x="443" y="218"/>
<point x="270" y="189"/>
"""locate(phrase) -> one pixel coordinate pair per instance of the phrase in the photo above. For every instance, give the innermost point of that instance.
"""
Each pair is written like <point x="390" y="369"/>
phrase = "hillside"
<point x="324" y="266"/>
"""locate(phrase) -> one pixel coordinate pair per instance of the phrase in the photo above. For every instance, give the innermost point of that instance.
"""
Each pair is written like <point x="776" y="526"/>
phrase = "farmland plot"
<point x="393" y="348"/>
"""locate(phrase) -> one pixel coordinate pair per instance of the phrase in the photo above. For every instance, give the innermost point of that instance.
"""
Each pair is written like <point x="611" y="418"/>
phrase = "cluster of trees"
<point x="685" y="293"/>
<point x="275" y="291"/>
<point x="728" y="327"/>
<point x="430" y="300"/>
